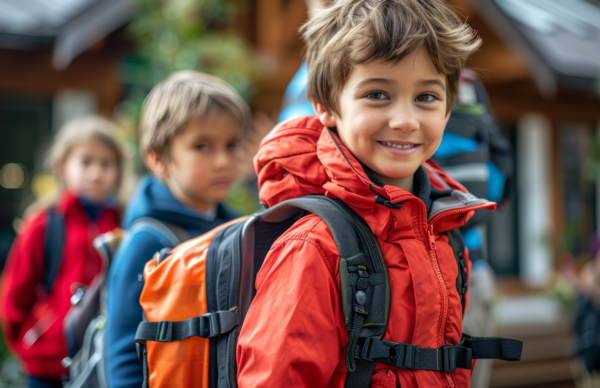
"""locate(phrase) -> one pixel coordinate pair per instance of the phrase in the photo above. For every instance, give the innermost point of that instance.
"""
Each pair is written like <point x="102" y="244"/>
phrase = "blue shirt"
<point x="125" y="282"/>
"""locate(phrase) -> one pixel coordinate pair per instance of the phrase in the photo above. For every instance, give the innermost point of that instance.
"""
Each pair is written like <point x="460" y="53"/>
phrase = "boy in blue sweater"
<point x="190" y="126"/>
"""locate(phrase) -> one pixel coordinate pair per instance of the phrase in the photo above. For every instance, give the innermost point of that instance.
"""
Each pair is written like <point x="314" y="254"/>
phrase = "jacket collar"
<point x="301" y="157"/>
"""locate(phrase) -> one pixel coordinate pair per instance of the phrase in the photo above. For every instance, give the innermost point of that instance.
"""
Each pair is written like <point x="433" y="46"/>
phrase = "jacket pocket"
<point x="384" y="379"/>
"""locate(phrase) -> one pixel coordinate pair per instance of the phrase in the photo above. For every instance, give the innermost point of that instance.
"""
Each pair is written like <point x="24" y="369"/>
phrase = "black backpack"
<point x="84" y="325"/>
<point x="587" y="333"/>
<point x="237" y="252"/>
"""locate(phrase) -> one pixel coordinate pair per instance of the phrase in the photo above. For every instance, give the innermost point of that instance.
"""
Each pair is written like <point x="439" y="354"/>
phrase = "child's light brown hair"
<point x="184" y="96"/>
<point x="354" y="32"/>
<point x="79" y="130"/>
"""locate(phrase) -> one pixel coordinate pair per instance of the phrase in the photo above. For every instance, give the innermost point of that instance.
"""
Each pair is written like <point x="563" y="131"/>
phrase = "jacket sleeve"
<point x="125" y="283"/>
<point x="21" y="277"/>
<point x="294" y="333"/>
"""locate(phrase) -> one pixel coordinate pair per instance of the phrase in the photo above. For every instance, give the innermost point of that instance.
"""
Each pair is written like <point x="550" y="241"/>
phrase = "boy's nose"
<point x="404" y="120"/>
<point x="222" y="160"/>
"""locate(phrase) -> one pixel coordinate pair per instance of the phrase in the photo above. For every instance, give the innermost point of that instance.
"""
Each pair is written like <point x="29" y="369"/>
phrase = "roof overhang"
<point x="561" y="46"/>
<point x="94" y="21"/>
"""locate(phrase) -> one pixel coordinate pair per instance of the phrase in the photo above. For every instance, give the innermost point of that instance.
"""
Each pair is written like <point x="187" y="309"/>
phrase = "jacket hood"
<point x="153" y="199"/>
<point x="301" y="157"/>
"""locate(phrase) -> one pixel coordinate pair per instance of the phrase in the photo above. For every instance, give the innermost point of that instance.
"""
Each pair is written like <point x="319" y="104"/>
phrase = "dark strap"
<point x="444" y="359"/>
<point x="55" y="234"/>
<point x="341" y="227"/>
<point x="208" y="325"/>
<point x="506" y="349"/>
<point x="358" y="318"/>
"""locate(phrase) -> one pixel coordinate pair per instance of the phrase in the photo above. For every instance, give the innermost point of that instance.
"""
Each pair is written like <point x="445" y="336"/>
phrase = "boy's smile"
<point x="392" y="115"/>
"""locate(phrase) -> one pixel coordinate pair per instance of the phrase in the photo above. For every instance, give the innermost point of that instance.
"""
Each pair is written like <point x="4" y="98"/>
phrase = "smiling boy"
<point x="382" y="77"/>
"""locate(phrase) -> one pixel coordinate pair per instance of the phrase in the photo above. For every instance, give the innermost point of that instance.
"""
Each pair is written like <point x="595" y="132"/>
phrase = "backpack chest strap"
<point x="208" y="325"/>
<point x="444" y="359"/>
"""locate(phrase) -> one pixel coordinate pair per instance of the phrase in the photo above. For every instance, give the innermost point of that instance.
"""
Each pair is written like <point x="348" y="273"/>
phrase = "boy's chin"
<point x="390" y="172"/>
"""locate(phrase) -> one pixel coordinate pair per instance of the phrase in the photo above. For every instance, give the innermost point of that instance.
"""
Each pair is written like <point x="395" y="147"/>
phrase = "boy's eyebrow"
<point x="427" y="82"/>
<point x="202" y="136"/>
<point x="369" y="81"/>
<point x="431" y="82"/>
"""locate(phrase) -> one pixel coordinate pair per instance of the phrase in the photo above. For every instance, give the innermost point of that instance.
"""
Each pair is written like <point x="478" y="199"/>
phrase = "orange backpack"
<point x="196" y="298"/>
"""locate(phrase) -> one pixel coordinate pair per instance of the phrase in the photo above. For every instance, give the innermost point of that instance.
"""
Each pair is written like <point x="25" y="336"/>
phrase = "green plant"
<point x="173" y="35"/>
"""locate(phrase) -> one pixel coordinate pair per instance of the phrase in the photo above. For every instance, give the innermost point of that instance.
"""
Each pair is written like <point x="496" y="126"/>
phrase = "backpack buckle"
<point x="165" y="331"/>
<point x="218" y="323"/>
<point x="209" y="325"/>
<point x="404" y="356"/>
<point x="449" y="355"/>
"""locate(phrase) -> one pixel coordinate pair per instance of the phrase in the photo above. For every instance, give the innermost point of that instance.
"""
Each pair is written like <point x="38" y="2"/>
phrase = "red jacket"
<point x="23" y="302"/>
<point x="294" y="334"/>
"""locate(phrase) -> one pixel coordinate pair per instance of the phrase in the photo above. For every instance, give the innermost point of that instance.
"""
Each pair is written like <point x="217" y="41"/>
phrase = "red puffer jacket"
<point x="294" y="334"/>
<point x="25" y="308"/>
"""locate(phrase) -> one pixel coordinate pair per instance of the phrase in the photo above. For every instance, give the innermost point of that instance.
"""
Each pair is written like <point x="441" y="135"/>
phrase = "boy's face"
<point x="201" y="162"/>
<point x="393" y="115"/>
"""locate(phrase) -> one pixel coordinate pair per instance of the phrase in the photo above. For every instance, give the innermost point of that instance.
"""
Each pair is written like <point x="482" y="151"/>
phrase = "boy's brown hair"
<point x="354" y="32"/>
<point x="184" y="96"/>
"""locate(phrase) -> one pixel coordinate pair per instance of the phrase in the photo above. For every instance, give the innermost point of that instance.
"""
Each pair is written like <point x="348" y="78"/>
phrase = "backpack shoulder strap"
<point x="363" y="276"/>
<point x="173" y="233"/>
<point x="55" y="234"/>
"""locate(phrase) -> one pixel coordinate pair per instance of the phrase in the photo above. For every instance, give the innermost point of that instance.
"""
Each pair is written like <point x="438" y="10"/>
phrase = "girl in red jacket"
<point x="85" y="156"/>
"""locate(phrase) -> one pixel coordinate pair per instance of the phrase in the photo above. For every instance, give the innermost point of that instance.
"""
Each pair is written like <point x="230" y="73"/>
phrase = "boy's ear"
<point x="156" y="164"/>
<point x="447" y="118"/>
<point x="326" y="117"/>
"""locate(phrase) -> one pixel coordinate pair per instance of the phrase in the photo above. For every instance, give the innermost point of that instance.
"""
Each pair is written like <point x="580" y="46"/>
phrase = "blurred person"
<point x="382" y="77"/>
<point x="587" y="316"/>
<point x="190" y="127"/>
<point x="85" y="155"/>
<point x="478" y="156"/>
<point x="295" y="102"/>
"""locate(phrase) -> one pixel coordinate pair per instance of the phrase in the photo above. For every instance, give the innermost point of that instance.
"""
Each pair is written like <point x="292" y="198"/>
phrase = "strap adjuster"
<point x="455" y="356"/>
<point x="448" y="358"/>
<point x="404" y="355"/>
<point x="218" y="323"/>
<point x="165" y="331"/>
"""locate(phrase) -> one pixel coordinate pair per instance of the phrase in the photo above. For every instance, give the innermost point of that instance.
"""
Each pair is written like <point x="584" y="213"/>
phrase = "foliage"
<point x="173" y="35"/>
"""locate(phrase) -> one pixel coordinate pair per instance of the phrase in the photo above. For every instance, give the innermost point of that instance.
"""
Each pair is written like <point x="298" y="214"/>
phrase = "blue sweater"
<point x="125" y="283"/>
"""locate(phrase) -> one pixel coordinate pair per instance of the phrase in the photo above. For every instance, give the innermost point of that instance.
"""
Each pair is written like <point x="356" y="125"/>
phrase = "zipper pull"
<point x="431" y="237"/>
<point x="450" y="380"/>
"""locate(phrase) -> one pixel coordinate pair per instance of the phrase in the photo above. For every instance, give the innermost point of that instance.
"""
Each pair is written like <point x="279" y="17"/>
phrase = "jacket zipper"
<point x="436" y="268"/>
<point x="444" y="291"/>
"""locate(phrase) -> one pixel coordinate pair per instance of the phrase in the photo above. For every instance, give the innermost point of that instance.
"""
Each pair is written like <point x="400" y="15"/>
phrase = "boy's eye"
<point x="232" y="146"/>
<point x="201" y="147"/>
<point x="86" y="161"/>
<point x="426" y="98"/>
<point x="376" y="96"/>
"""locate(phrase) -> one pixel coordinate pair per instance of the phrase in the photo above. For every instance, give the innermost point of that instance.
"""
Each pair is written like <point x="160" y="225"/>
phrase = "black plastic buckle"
<point x="448" y="358"/>
<point x="218" y="323"/>
<point x="209" y="325"/>
<point x="228" y="320"/>
<point x="404" y="356"/>
<point x="165" y="331"/>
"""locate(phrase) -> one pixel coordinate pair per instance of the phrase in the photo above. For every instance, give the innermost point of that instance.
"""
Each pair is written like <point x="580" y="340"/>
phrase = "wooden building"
<point x="57" y="60"/>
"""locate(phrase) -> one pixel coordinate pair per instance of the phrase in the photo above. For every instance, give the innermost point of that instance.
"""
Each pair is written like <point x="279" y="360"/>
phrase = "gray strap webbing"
<point x="326" y="208"/>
